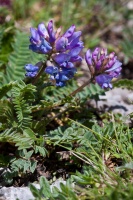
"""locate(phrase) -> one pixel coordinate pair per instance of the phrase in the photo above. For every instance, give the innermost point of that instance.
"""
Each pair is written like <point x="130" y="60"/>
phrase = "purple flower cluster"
<point x="63" y="51"/>
<point x="104" y="67"/>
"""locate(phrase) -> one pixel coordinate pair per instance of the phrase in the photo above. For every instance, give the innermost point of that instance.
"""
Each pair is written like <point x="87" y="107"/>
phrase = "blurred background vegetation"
<point x="106" y="23"/>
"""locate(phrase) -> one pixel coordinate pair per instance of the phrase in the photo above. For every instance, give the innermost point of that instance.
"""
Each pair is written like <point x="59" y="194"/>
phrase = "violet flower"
<point x="104" y="67"/>
<point x="60" y="75"/>
<point x="42" y="38"/>
<point x="63" y="51"/>
<point x="31" y="70"/>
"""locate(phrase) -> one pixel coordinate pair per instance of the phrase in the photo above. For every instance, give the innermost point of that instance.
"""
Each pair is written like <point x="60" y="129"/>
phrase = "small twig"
<point x="87" y="162"/>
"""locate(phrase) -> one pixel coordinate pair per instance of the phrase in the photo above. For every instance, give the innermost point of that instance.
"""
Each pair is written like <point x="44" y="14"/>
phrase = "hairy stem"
<point x="81" y="87"/>
<point x="44" y="65"/>
<point x="39" y="74"/>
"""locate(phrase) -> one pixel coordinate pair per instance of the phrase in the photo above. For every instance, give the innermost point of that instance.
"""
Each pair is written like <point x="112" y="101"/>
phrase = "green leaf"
<point x="33" y="165"/>
<point x="45" y="187"/>
<point x="28" y="154"/>
<point x="35" y="191"/>
<point x="41" y="150"/>
<point x="29" y="133"/>
<point x="26" y="165"/>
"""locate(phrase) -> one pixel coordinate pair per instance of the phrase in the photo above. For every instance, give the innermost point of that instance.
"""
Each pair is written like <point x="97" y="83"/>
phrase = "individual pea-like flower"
<point x="69" y="40"/>
<point x="42" y="38"/>
<point x="104" y="80"/>
<point x="31" y="70"/>
<point x="104" y="67"/>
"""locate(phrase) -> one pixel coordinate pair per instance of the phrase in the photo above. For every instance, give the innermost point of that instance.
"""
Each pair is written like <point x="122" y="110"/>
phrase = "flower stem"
<point x="81" y="87"/>
<point x="39" y="74"/>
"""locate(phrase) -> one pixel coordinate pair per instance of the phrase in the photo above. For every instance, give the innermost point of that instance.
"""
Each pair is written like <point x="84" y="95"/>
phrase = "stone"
<point x="23" y="193"/>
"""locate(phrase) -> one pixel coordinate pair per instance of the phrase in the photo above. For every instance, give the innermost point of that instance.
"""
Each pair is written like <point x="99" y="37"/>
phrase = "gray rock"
<point x="116" y="100"/>
<point x="57" y="184"/>
<point x="23" y="193"/>
<point x="12" y="193"/>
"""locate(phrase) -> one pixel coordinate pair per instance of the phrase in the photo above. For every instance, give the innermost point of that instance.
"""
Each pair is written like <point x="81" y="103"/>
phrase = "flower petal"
<point x="51" y="70"/>
<point x="61" y="44"/>
<point x="35" y="35"/>
<point x="88" y="57"/>
<point x="69" y="31"/>
<point x="42" y="30"/>
<point x="31" y="68"/>
<point x="61" y="58"/>
<point x="115" y="66"/>
<point x="75" y="51"/>
<point x="103" y="80"/>
<point x="51" y="31"/>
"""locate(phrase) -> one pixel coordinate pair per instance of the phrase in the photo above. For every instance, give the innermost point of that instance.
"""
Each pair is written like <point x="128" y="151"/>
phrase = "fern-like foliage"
<point x="59" y="93"/>
<point x="6" y="115"/>
<point x="22" y="95"/>
<point x="91" y="91"/>
<point x="124" y="83"/>
<point x="10" y="135"/>
<point x="5" y="88"/>
<point x="20" y="56"/>
<point x="16" y="110"/>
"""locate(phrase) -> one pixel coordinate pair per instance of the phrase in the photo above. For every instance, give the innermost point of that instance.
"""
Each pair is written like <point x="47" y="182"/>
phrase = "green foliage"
<point x="6" y="41"/>
<point x="61" y="93"/>
<point x="92" y="91"/>
<point x="19" y="58"/>
<point x="96" y="147"/>
<point x="46" y="192"/>
<point x="4" y="90"/>
<point x="117" y="189"/>
<point x="20" y="94"/>
<point x="124" y="83"/>
<point x="66" y="136"/>
<point x="17" y="110"/>
<point x="23" y="165"/>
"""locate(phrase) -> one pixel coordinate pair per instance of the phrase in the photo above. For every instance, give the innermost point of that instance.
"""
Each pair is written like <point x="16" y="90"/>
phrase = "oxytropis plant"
<point x="63" y="51"/>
